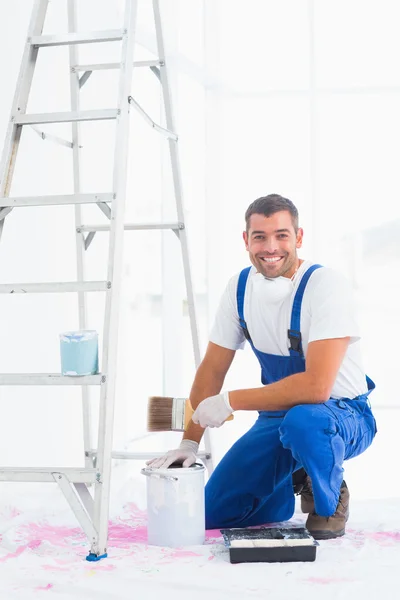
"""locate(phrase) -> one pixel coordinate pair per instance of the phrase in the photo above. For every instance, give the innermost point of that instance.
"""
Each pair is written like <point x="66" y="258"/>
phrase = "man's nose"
<point x="270" y="245"/>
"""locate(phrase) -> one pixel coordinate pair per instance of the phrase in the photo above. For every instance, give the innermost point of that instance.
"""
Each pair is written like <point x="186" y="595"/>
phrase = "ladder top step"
<point x="68" y="39"/>
<point x="46" y="474"/>
<point x="49" y="379"/>
<point x="66" y="117"/>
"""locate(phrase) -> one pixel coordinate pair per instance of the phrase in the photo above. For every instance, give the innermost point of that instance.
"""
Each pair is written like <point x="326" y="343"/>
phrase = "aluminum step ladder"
<point x="92" y="509"/>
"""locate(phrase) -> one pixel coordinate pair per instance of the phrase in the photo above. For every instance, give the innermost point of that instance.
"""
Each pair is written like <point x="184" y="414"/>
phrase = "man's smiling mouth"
<point x="271" y="260"/>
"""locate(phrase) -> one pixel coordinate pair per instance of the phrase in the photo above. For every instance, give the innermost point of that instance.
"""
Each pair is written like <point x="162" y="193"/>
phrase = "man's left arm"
<point x="312" y="386"/>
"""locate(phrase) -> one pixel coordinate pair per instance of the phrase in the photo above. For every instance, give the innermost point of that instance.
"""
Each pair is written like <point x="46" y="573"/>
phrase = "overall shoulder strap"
<point x="294" y="333"/>
<point x="240" y="292"/>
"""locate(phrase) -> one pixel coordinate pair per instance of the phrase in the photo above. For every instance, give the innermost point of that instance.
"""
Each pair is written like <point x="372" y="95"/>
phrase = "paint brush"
<point x="169" y="414"/>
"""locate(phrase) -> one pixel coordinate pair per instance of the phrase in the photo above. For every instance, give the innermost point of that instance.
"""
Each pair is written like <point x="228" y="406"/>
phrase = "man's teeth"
<point x="271" y="260"/>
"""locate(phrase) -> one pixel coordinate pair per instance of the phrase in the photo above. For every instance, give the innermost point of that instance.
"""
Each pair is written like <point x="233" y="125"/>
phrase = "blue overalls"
<point x="252" y="484"/>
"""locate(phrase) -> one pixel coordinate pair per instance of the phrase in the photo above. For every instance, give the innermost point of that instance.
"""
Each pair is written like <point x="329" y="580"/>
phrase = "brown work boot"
<point x="326" y="528"/>
<point x="302" y="487"/>
<point x="307" y="497"/>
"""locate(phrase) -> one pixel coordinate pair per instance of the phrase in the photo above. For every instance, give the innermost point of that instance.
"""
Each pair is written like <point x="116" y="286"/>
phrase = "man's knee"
<point x="302" y="424"/>
<point x="221" y="510"/>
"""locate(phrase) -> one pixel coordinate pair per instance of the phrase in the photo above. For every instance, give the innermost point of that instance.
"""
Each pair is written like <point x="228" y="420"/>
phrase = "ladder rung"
<point x="115" y="65"/>
<point x="46" y="474"/>
<point x="49" y="379"/>
<point x="53" y="200"/>
<point x="134" y="226"/>
<point x="112" y="35"/>
<point x="66" y="117"/>
<point x="142" y="455"/>
<point x="54" y="287"/>
<point x="57" y="287"/>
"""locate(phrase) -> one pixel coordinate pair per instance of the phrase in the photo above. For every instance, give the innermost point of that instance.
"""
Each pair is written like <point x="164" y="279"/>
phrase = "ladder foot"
<point x="91" y="557"/>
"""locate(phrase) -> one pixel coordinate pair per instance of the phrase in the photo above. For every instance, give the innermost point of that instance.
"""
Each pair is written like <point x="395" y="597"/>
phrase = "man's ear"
<point x="299" y="238"/>
<point x="246" y="239"/>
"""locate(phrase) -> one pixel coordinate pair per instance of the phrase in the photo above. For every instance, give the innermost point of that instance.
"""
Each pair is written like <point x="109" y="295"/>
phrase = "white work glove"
<point x="186" y="454"/>
<point x="213" y="411"/>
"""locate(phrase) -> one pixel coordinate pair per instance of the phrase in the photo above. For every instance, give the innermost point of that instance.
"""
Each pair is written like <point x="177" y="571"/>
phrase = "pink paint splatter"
<point x="129" y="533"/>
<point x="54" y="568"/>
<point x="382" y="538"/>
<point x="213" y="533"/>
<point x="10" y="512"/>
<point x="122" y="535"/>
<point x="134" y="511"/>
<point x="46" y="587"/>
<point x="15" y="554"/>
<point x="56" y="535"/>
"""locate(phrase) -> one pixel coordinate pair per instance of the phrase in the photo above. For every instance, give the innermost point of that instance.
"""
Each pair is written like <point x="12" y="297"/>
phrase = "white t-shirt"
<point x="327" y="312"/>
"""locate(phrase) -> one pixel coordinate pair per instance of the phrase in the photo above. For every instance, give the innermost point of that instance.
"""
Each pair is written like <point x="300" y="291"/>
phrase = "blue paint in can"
<point x="79" y="352"/>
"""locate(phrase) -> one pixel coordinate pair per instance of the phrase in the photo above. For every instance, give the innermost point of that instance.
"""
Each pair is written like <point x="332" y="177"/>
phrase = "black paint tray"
<point x="270" y="544"/>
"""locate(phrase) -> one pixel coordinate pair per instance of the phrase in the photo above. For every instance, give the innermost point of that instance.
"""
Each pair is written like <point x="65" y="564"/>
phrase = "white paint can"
<point x="175" y="506"/>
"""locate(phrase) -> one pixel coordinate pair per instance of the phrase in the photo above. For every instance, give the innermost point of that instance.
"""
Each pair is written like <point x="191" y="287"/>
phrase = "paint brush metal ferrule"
<point x="178" y="414"/>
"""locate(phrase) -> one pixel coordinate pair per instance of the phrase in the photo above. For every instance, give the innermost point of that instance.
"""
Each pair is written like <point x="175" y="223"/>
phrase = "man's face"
<point x="272" y="244"/>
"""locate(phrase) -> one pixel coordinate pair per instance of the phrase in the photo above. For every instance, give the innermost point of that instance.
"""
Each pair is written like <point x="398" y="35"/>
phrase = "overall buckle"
<point x="246" y="334"/>
<point x="295" y="340"/>
<point x="245" y="330"/>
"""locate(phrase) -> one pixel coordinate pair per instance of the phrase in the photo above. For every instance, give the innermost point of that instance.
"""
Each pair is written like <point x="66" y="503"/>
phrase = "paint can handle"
<point x="148" y="473"/>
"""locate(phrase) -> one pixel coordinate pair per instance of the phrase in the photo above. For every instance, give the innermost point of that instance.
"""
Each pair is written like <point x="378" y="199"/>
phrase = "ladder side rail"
<point x="79" y="238"/>
<point x="177" y="181"/>
<point x="115" y="258"/>
<point x="20" y="101"/>
<point x="76" y="504"/>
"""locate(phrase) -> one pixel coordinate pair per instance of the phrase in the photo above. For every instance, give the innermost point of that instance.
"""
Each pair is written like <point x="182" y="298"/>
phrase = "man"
<point x="313" y="407"/>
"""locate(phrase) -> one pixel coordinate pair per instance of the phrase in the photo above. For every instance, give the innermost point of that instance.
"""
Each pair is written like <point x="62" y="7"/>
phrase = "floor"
<point x="42" y="554"/>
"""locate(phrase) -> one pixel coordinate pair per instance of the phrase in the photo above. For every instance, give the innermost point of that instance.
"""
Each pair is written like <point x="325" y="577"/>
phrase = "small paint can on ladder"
<point x="79" y="353"/>
<point x="175" y="506"/>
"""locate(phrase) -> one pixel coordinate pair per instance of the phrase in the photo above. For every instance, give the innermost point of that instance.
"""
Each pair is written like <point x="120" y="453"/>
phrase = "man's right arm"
<point x="208" y="381"/>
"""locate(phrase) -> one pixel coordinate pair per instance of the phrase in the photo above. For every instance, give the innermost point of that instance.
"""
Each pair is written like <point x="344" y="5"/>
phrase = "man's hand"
<point x="185" y="454"/>
<point x="213" y="411"/>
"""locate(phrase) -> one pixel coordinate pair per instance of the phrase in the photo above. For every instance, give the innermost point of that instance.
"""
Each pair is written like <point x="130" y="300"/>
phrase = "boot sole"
<point x="326" y="535"/>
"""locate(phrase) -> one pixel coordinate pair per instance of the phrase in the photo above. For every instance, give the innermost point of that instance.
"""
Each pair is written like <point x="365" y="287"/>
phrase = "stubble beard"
<point x="288" y="263"/>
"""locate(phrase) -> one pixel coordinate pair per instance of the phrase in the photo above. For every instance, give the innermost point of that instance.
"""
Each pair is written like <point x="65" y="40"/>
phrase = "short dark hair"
<point x="268" y="205"/>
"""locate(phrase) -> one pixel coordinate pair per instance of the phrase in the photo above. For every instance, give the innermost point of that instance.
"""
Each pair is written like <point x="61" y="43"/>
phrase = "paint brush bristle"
<point x="159" y="413"/>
